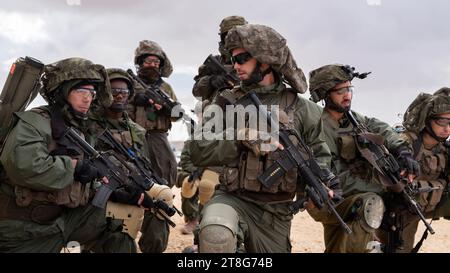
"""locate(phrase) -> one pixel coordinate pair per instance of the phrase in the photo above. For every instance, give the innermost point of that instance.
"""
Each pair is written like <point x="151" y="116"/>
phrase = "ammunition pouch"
<point x="132" y="216"/>
<point x="347" y="147"/>
<point x="39" y="213"/>
<point x="429" y="200"/>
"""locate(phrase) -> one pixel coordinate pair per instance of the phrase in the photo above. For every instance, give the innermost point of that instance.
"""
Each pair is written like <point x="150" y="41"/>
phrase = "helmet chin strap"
<point x="117" y="107"/>
<point x="430" y="131"/>
<point x="329" y="103"/>
<point x="257" y="75"/>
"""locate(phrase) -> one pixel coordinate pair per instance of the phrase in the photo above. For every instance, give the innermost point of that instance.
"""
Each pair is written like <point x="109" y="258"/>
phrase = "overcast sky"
<point x="405" y="43"/>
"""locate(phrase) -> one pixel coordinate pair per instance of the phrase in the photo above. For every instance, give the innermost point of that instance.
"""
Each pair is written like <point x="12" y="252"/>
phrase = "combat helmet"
<point x="323" y="79"/>
<point x="117" y="73"/>
<point x="424" y="107"/>
<point x="267" y="46"/>
<point x="226" y="25"/>
<point x="146" y="48"/>
<point x="60" y="77"/>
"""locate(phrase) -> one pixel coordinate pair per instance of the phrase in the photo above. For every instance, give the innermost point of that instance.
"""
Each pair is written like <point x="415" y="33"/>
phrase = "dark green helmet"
<point x="325" y="78"/>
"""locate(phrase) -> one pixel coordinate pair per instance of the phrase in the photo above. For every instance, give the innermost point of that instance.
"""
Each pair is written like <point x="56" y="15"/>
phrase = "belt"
<point x="43" y="214"/>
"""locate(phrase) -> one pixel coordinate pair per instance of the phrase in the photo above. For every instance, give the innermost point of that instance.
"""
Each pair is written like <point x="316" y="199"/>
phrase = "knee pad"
<point x="218" y="229"/>
<point x="207" y="185"/>
<point x="372" y="211"/>
<point x="188" y="189"/>
<point x="161" y="192"/>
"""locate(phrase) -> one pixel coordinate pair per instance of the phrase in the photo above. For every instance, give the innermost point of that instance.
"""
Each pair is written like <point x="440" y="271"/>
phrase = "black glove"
<point x="197" y="174"/>
<point x="218" y="82"/>
<point x="131" y="195"/>
<point x="407" y="162"/>
<point x="86" y="172"/>
<point x="141" y="99"/>
<point x="335" y="185"/>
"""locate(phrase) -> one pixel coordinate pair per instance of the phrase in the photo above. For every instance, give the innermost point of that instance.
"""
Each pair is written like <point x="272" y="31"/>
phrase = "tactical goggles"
<point x="122" y="91"/>
<point x="442" y="122"/>
<point x="343" y="90"/>
<point x="152" y="60"/>
<point x="86" y="92"/>
<point x="241" y="58"/>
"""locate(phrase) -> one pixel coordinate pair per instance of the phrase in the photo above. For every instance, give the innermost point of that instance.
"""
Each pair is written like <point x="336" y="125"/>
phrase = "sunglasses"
<point x="117" y="91"/>
<point x="343" y="90"/>
<point x="442" y="122"/>
<point x="241" y="58"/>
<point x="86" y="92"/>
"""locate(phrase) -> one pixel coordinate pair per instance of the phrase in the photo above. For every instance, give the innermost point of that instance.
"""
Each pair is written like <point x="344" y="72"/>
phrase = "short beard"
<point x="149" y="74"/>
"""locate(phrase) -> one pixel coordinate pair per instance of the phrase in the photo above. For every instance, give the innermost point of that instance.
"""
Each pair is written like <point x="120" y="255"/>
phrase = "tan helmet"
<point x="424" y="107"/>
<point x="117" y="73"/>
<point x="72" y="72"/>
<point x="146" y="48"/>
<point x="267" y="46"/>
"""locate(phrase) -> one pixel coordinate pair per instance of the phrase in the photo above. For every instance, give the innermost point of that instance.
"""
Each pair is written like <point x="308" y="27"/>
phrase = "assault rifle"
<point x="115" y="174"/>
<point x="216" y="67"/>
<point x="380" y="158"/>
<point x="292" y="156"/>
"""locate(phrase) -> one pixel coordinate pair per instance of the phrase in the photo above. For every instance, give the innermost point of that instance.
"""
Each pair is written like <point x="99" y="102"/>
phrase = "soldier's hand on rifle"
<point x="131" y="195"/>
<point x="335" y="189"/>
<point x="260" y="143"/>
<point x="408" y="166"/>
<point x="219" y="81"/>
<point x="157" y="106"/>
<point x="85" y="172"/>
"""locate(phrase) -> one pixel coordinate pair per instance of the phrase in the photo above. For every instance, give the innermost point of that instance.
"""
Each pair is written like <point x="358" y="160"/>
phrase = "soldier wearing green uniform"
<point x="427" y="124"/>
<point x="152" y="64"/>
<point x="242" y="211"/>
<point x="46" y="186"/>
<point x="208" y="83"/>
<point x="362" y="208"/>
<point x="124" y="216"/>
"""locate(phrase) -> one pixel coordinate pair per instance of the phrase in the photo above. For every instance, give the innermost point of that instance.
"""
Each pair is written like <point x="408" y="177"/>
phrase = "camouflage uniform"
<point x="433" y="162"/>
<point x="155" y="232"/>
<point x="241" y="211"/>
<point x="363" y="208"/>
<point x="44" y="201"/>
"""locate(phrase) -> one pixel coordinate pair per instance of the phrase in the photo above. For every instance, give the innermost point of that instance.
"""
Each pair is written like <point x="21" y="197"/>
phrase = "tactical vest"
<point x="244" y="177"/>
<point x="357" y="165"/>
<point x="74" y="195"/>
<point x="149" y="118"/>
<point x="433" y="164"/>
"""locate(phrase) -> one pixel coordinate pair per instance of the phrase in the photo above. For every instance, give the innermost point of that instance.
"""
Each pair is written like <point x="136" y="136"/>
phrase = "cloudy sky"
<point x="405" y="43"/>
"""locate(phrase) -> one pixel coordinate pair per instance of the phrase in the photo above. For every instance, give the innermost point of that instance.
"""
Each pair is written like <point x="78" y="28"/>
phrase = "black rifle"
<point x="292" y="157"/>
<point x="116" y="175"/>
<point x="142" y="164"/>
<point x="169" y="108"/>
<point x="217" y="68"/>
<point x="380" y="158"/>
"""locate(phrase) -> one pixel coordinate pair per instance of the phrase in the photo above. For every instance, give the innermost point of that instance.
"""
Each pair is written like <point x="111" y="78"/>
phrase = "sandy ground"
<point x="307" y="235"/>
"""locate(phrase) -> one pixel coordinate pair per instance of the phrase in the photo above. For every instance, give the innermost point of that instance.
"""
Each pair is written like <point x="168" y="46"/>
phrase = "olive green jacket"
<point x="333" y="130"/>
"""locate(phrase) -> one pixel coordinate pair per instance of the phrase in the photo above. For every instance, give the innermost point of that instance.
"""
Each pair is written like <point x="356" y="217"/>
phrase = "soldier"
<point x="241" y="210"/>
<point x="362" y="207"/>
<point x="125" y="218"/>
<point x="427" y="123"/>
<point x="46" y="185"/>
<point x="209" y="80"/>
<point x="208" y="83"/>
<point x="152" y="64"/>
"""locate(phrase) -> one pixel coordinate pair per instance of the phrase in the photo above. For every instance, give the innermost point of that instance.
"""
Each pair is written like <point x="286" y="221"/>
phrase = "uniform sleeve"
<point x="309" y="125"/>
<point x="211" y="148"/>
<point x="392" y="139"/>
<point x="185" y="159"/>
<point x="27" y="162"/>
